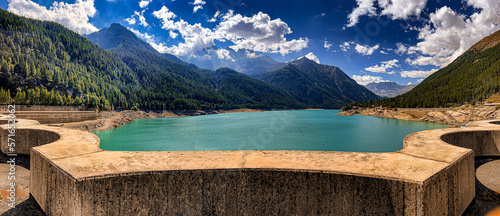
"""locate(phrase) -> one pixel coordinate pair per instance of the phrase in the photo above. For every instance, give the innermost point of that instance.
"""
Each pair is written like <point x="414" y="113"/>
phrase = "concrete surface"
<point x="485" y="200"/>
<point x="21" y="187"/>
<point x="24" y="138"/>
<point x="73" y="176"/>
<point x="52" y="114"/>
<point x="48" y="117"/>
<point x="489" y="175"/>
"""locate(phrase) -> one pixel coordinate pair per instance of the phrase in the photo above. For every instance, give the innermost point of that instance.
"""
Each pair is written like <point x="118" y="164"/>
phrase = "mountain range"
<point x="115" y="69"/>
<point x="389" y="89"/>
<point x="471" y="78"/>
<point x="316" y="85"/>
<point x="149" y="65"/>
<point x="243" y="61"/>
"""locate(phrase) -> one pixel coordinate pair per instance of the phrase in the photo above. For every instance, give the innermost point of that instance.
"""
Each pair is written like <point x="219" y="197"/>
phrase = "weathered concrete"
<point x="489" y="175"/>
<point x="6" y="108"/>
<point x="24" y="138"/>
<point x="52" y="114"/>
<point x="21" y="186"/>
<point x="48" y="117"/>
<point x="489" y="141"/>
<point x="73" y="176"/>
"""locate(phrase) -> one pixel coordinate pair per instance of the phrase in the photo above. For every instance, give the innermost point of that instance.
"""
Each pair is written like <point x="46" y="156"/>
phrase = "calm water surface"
<point x="310" y="130"/>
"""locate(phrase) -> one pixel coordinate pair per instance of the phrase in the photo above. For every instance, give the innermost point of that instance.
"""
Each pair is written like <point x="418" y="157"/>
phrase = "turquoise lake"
<point x="309" y="130"/>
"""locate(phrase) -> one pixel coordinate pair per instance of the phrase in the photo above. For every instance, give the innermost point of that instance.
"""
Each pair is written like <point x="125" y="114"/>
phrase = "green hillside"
<point x="45" y="63"/>
<point x="250" y="92"/>
<point x="472" y="77"/>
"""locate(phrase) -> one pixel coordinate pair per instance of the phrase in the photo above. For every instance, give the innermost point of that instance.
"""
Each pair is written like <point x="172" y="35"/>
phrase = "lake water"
<point x="309" y="130"/>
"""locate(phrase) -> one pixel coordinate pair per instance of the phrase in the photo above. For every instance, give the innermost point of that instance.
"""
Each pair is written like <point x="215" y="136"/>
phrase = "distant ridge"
<point x="116" y="36"/>
<point x="389" y="89"/>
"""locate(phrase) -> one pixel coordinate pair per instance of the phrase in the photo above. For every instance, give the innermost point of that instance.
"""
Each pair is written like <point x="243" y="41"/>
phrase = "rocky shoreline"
<point x="459" y="116"/>
<point x="113" y="119"/>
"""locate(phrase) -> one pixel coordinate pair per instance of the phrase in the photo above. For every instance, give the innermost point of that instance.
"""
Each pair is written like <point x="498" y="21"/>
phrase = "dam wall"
<point x="52" y="114"/>
<point x="483" y="143"/>
<point x="5" y="108"/>
<point x="432" y="175"/>
<point x="25" y="139"/>
<point x="50" y="117"/>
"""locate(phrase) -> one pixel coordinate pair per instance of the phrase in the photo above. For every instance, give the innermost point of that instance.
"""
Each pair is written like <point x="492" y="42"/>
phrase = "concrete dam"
<point x="432" y="175"/>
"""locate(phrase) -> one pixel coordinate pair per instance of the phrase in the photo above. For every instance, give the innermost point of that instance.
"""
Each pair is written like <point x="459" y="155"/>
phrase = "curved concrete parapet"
<point x="489" y="175"/>
<point x="24" y="137"/>
<point x="73" y="176"/>
<point x="489" y="140"/>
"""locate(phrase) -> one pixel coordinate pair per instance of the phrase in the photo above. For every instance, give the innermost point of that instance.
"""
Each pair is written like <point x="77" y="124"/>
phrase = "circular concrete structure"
<point x="489" y="175"/>
<point x="432" y="175"/>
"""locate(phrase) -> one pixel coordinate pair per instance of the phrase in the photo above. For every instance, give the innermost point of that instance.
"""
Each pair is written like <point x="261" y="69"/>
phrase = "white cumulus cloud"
<point x="365" y="50"/>
<point x="402" y="9"/>
<point x="312" y="57"/>
<point x="401" y="49"/>
<point x="364" y="7"/>
<point x="327" y="45"/>
<point x="249" y="54"/>
<point x="346" y="46"/>
<point x="73" y="16"/>
<point x="395" y="9"/>
<point x="367" y="79"/>
<point x="131" y="20"/>
<point x="172" y="34"/>
<point x="144" y="36"/>
<point x="449" y="34"/>
<point x="258" y="33"/>
<point x="224" y="54"/>
<point x="383" y="67"/>
<point x="144" y="3"/>
<point x="417" y="73"/>
<point x="137" y="16"/>
<point x="214" y="18"/>
<point x="198" y="4"/>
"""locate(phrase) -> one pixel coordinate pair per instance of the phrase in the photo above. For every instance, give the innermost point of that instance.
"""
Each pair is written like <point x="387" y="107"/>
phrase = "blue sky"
<point x="371" y="40"/>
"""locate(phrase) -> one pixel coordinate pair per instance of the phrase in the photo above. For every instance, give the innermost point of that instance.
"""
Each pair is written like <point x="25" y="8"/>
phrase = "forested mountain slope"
<point x="472" y="77"/>
<point x="225" y="87"/>
<point x="45" y="63"/>
<point x="316" y="85"/>
<point x="250" y="92"/>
